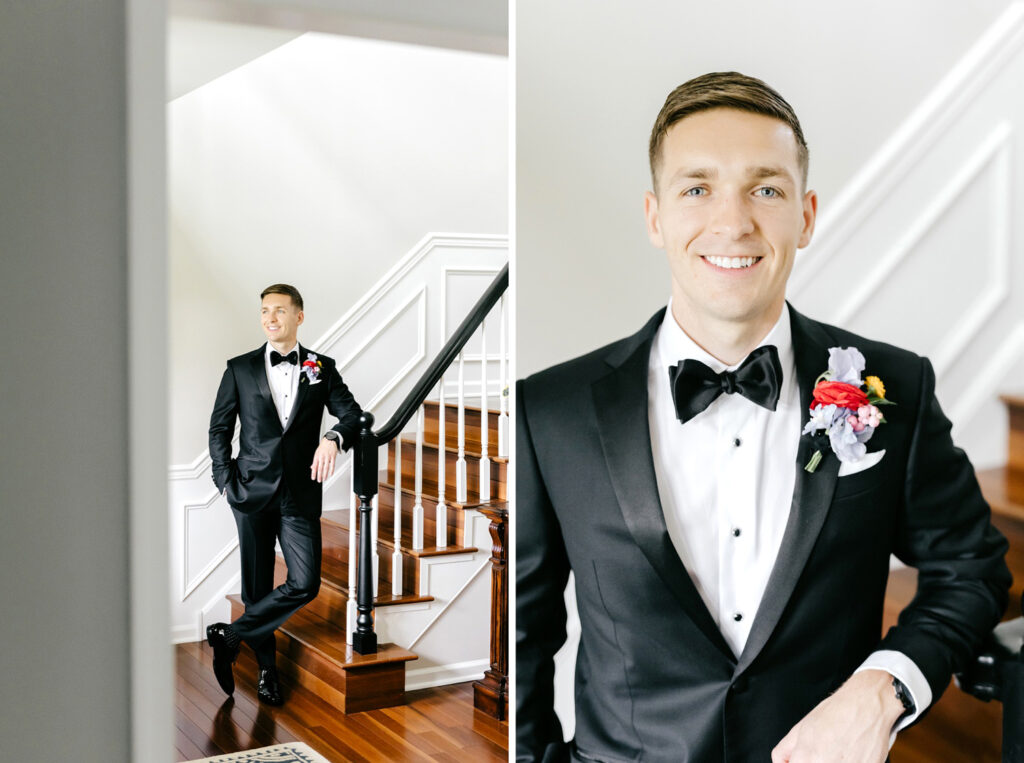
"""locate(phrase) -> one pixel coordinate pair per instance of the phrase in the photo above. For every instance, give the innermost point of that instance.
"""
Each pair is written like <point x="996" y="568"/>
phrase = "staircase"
<point x="313" y="648"/>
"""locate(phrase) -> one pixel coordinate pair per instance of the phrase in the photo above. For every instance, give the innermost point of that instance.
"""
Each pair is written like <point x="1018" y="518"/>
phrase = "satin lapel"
<point x="303" y="387"/>
<point x="621" y="404"/>
<point x="259" y="371"/>
<point x="812" y="494"/>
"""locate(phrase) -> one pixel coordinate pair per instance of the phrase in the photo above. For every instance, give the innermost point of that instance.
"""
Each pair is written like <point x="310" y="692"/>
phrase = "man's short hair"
<point x="729" y="90"/>
<point x="283" y="288"/>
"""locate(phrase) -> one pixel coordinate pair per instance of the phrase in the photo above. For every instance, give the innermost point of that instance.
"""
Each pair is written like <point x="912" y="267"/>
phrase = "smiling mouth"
<point x="731" y="263"/>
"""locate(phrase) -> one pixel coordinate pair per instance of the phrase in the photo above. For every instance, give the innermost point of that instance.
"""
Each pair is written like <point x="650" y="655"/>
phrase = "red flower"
<point x="839" y="393"/>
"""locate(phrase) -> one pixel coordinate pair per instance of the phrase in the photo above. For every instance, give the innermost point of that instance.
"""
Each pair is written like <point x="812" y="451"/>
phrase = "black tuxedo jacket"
<point x="267" y="452"/>
<point x="655" y="680"/>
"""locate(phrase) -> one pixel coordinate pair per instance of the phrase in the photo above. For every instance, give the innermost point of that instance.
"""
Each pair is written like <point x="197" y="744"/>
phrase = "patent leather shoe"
<point x="267" y="687"/>
<point x="225" y="643"/>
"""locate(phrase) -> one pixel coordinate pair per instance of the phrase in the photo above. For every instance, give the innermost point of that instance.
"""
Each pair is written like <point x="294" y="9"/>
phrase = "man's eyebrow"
<point x="763" y="173"/>
<point x="694" y="173"/>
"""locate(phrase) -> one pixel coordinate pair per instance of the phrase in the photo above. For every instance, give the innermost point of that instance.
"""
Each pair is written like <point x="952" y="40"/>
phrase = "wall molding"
<point x="189" y="586"/>
<point x="910" y="142"/>
<point x="986" y="380"/>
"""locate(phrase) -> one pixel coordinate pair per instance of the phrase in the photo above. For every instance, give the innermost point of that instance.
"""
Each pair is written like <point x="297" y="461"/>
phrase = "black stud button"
<point x="736" y="532"/>
<point x="738" y="616"/>
<point x="737" y="442"/>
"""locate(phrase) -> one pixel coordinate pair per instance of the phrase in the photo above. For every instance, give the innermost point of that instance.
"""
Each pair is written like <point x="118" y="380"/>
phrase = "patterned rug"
<point x="293" y="752"/>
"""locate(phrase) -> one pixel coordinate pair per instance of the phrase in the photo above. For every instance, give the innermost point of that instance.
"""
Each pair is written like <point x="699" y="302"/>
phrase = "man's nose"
<point x="731" y="218"/>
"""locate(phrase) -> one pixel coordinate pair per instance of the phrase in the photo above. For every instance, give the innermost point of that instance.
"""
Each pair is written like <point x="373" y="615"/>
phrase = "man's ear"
<point x="302" y="317"/>
<point x="653" y="221"/>
<point x="810" y="213"/>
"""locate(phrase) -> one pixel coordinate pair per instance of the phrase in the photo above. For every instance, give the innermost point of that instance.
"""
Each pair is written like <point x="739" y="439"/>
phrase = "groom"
<point x="731" y="545"/>
<point x="278" y="392"/>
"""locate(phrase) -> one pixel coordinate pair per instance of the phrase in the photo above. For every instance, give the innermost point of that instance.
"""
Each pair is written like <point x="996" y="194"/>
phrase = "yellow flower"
<point x="875" y="386"/>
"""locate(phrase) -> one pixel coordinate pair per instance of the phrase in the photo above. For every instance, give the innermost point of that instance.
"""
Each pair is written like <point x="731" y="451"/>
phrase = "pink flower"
<point x="869" y="415"/>
<point x="855" y="423"/>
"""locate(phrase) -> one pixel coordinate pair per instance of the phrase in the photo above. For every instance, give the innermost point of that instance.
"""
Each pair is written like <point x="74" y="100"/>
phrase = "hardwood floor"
<point x="437" y="724"/>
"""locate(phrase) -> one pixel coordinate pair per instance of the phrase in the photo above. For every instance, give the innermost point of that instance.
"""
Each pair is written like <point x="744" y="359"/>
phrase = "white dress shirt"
<point x="726" y="480"/>
<point x="284" y="383"/>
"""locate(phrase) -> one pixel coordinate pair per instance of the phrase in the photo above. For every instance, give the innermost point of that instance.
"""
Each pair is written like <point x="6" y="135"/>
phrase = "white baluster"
<point x="441" y="517"/>
<point x="460" y="463"/>
<point x="351" y="610"/>
<point x="417" y="509"/>
<point x="485" y="459"/>
<point x="373" y="545"/>
<point x="503" y="386"/>
<point x="396" y="558"/>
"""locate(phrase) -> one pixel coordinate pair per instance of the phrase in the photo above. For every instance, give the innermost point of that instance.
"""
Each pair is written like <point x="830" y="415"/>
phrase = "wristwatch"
<point x="334" y="437"/>
<point x="903" y="696"/>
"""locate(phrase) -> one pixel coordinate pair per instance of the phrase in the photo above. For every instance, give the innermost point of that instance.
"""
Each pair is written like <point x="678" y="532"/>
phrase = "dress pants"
<point x="266" y="607"/>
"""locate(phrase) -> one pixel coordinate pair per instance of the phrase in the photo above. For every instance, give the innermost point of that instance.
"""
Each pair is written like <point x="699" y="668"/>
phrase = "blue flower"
<point x="845" y="364"/>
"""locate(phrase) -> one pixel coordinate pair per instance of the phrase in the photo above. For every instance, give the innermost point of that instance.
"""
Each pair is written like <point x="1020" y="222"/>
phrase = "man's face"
<point x="281" y="319"/>
<point x="730" y="213"/>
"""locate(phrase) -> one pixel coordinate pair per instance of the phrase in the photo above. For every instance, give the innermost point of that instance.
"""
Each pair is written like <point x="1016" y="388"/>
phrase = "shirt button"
<point x="738" y="616"/>
<point x="736" y="532"/>
<point x="737" y="442"/>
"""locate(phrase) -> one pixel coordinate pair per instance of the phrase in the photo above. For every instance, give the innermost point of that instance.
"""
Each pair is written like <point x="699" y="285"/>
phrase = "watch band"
<point x="904" y="697"/>
<point x="334" y="437"/>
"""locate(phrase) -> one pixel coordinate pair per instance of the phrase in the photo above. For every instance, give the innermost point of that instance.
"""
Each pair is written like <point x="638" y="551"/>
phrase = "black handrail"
<point x="364" y="640"/>
<point x="444" y="359"/>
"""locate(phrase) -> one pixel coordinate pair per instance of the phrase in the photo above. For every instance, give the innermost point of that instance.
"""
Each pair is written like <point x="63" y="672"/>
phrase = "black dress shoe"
<point x="225" y="643"/>
<point x="267" y="687"/>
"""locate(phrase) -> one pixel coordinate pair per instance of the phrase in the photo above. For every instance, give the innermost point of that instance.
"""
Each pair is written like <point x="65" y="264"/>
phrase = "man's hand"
<point x="853" y="724"/>
<point x="323" y="461"/>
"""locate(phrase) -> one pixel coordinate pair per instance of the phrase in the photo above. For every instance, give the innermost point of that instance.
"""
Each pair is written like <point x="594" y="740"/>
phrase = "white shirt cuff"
<point x="898" y="665"/>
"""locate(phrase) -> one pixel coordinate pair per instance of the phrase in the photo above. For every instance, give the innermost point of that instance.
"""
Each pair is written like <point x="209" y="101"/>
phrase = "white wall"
<point x="590" y="80"/>
<point x="320" y="164"/>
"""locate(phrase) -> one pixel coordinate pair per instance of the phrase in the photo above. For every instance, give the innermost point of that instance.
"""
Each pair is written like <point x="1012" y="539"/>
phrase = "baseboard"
<point x="442" y="675"/>
<point x="184" y="634"/>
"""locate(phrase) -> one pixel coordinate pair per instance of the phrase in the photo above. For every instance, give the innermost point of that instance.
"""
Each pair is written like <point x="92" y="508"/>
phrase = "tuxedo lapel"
<point x="303" y="387"/>
<point x="258" y="367"/>
<point x="812" y="493"/>
<point x="620" y="400"/>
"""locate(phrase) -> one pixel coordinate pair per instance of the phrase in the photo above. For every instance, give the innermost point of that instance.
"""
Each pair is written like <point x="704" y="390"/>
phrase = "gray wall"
<point x="65" y="463"/>
<point x="590" y="78"/>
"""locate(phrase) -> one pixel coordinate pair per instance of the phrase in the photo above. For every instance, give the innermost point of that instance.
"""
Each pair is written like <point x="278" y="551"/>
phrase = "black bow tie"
<point x="695" y="386"/>
<point x="276" y="357"/>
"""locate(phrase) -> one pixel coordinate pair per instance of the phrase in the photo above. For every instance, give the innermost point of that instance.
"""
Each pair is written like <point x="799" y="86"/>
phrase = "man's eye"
<point x="768" y="192"/>
<point x="695" y="191"/>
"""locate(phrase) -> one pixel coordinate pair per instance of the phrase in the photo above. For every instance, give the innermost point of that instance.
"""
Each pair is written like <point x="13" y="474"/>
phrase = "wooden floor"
<point x="435" y="724"/>
<point x="958" y="728"/>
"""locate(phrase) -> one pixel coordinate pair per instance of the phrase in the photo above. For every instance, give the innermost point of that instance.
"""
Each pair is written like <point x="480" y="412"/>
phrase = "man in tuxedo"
<point x="278" y="392"/>
<point x="729" y="581"/>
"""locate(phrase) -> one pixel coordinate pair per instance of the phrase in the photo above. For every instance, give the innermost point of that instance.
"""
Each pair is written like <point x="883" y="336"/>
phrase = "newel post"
<point x="491" y="693"/>
<point x="364" y="640"/>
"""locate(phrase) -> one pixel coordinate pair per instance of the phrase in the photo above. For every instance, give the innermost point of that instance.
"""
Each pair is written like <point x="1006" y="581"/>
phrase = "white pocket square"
<point x="870" y="459"/>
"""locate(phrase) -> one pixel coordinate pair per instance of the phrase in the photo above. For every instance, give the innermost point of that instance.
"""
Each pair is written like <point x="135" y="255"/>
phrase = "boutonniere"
<point x="311" y="367"/>
<point x="845" y="407"/>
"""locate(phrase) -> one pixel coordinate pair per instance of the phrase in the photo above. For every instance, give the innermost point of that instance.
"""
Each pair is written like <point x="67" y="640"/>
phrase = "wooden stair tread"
<point x="1004" y="490"/>
<point x="433" y="404"/>
<point x="330" y="641"/>
<point x="409" y="444"/>
<point x="334" y="573"/>
<point x="472" y="498"/>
